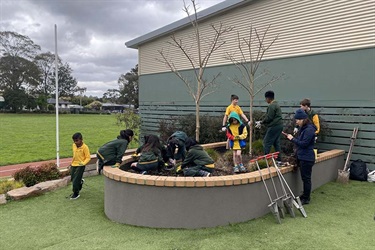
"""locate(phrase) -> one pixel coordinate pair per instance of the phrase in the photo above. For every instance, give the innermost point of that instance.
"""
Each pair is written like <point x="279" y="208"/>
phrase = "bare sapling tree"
<point x="252" y="49"/>
<point x="197" y="53"/>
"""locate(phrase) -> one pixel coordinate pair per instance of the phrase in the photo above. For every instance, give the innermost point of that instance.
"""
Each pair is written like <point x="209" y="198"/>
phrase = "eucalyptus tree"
<point x="18" y="72"/>
<point x="129" y="88"/>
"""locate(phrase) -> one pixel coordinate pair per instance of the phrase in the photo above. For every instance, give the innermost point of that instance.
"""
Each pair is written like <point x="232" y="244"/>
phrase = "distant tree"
<point x="67" y="83"/>
<point x="129" y="88"/>
<point x="41" y="101"/>
<point x="198" y="54"/>
<point x="15" y="99"/>
<point x="85" y="100"/>
<point x="31" y="102"/>
<point x="94" y="105"/>
<point x="46" y="64"/>
<point x="17" y="45"/>
<point x="111" y="95"/>
<point x="18" y="72"/>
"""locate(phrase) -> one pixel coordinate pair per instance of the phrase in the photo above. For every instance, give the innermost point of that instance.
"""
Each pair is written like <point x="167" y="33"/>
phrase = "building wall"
<point x="325" y="51"/>
<point x="303" y="27"/>
<point x="341" y="86"/>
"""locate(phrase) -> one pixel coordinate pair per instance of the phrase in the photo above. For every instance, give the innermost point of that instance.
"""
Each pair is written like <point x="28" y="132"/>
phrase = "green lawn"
<point x="339" y="217"/>
<point x="32" y="137"/>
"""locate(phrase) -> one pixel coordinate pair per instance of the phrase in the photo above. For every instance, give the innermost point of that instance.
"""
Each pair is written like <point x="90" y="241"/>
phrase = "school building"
<point x="325" y="51"/>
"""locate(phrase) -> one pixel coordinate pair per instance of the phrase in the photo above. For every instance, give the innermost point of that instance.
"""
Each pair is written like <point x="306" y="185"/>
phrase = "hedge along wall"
<point x="340" y="85"/>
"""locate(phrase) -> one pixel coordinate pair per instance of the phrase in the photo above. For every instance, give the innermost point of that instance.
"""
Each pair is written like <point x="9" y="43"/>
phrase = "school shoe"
<point x="242" y="168"/>
<point x="305" y="201"/>
<point x="204" y="173"/>
<point x="236" y="169"/>
<point x="74" y="196"/>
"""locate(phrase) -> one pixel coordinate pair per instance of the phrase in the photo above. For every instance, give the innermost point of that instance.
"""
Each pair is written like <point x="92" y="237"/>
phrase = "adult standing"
<point x="274" y="123"/>
<point x="305" y="151"/>
<point x="112" y="152"/>
<point x="312" y="115"/>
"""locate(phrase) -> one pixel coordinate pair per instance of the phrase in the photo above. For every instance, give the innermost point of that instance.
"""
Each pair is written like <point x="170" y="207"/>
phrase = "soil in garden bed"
<point x="223" y="166"/>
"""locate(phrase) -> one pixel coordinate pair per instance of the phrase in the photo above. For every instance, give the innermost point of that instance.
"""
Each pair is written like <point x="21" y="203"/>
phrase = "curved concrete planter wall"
<point x="197" y="202"/>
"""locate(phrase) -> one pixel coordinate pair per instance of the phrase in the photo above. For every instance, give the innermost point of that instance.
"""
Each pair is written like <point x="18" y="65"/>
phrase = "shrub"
<point x="47" y="172"/>
<point x="213" y="154"/>
<point x="228" y="156"/>
<point x="50" y="107"/>
<point x="262" y="164"/>
<point x="31" y="176"/>
<point x="258" y="147"/>
<point x="210" y="130"/>
<point x="129" y="120"/>
<point x="27" y="176"/>
<point x="7" y="185"/>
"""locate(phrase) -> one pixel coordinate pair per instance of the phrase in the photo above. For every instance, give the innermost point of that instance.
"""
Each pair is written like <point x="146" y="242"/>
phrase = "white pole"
<point x="57" y="102"/>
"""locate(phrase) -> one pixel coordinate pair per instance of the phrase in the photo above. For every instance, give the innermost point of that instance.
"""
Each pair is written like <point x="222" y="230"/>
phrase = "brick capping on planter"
<point x="214" y="181"/>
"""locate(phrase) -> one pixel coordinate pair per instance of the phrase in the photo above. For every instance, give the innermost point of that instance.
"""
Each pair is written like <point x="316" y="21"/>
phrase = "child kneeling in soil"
<point x="197" y="162"/>
<point x="237" y="133"/>
<point x="150" y="158"/>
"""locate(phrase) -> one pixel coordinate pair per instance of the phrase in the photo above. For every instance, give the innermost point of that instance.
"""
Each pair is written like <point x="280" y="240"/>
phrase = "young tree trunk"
<point x="197" y="121"/>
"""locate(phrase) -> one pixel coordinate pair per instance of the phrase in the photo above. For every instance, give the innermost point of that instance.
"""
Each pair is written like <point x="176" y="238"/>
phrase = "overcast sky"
<point x="92" y="33"/>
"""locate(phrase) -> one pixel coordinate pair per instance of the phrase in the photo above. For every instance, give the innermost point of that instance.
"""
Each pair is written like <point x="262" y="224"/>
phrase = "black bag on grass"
<point x="358" y="170"/>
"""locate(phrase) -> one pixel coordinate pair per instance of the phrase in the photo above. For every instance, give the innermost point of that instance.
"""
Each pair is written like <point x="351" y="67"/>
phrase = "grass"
<point x="32" y="137"/>
<point x="339" y="217"/>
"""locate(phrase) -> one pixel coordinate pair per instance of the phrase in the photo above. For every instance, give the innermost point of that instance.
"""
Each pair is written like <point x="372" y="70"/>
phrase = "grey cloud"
<point x="92" y="33"/>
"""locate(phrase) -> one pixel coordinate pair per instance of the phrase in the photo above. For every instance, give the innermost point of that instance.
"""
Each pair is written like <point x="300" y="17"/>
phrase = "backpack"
<point x="358" y="170"/>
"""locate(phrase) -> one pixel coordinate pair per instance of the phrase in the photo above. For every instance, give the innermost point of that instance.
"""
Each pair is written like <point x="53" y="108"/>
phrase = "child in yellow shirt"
<point x="81" y="157"/>
<point x="236" y="134"/>
<point x="233" y="107"/>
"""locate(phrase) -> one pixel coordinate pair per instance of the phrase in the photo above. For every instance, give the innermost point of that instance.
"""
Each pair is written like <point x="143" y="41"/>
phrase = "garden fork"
<point x="272" y="206"/>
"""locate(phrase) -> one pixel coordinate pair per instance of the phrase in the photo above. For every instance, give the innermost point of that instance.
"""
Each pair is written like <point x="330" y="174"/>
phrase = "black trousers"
<point x="101" y="163"/>
<point x="76" y="174"/>
<point x="272" y="138"/>
<point x="306" y="171"/>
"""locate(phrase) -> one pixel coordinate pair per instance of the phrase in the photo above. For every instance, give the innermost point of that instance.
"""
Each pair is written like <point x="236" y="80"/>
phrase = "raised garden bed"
<point x="197" y="202"/>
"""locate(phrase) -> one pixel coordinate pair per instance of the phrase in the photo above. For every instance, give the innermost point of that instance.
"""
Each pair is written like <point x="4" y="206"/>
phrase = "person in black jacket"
<point x="305" y="151"/>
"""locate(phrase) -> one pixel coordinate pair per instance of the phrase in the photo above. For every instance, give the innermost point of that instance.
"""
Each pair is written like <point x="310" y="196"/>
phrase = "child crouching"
<point x="150" y="158"/>
<point x="197" y="162"/>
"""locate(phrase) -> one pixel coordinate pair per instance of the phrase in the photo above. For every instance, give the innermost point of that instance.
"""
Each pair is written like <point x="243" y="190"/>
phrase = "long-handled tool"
<point x="287" y="199"/>
<point x="343" y="175"/>
<point x="279" y="199"/>
<point x="272" y="206"/>
<point x="296" y="200"/>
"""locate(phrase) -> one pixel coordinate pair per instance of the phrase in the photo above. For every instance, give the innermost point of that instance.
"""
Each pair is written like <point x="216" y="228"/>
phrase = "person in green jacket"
<point x="112" y="152"/>
<point x="274" y="123"/>
<point x="150" y="155"/>
<point x="197" y="162"/>
<point x="176" y="140"/>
